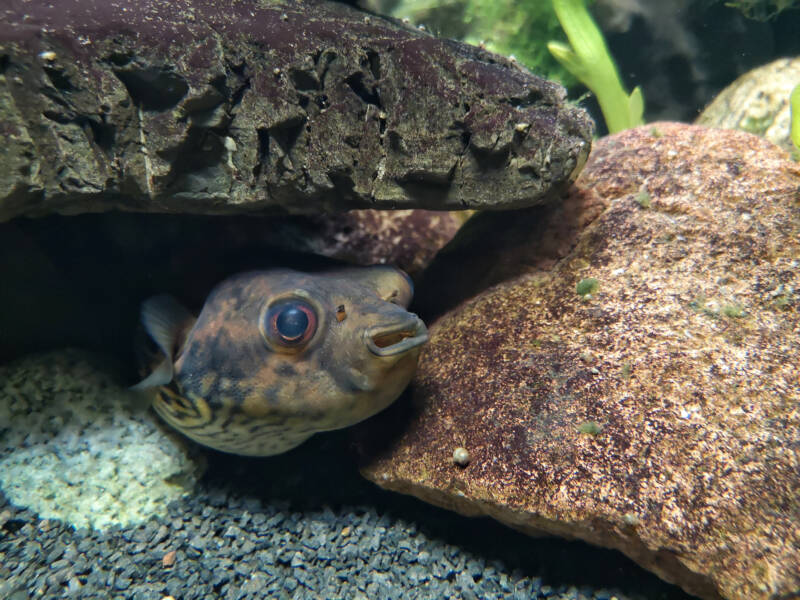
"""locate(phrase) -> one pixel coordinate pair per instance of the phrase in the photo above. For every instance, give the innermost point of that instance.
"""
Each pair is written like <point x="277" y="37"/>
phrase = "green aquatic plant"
<point x="508" y="27"/>
<point x="518" y="28"/>
<point x="587" y="58"/>
<point x="794" y="107"/>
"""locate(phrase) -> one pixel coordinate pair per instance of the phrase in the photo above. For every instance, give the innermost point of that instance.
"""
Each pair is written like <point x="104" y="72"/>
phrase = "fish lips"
<point x="396" y="339"/>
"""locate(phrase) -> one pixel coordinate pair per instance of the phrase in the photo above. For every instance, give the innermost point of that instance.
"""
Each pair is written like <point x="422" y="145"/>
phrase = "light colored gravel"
<point x="75" y="446"/>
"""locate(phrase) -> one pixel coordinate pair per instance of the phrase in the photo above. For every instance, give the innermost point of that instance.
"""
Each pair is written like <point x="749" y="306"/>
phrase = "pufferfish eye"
<point x="290" y="323"/>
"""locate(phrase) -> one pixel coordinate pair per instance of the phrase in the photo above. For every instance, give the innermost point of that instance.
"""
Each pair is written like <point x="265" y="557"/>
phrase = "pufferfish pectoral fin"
<point x="164" y="319"/>
<point x="162" y="375"/>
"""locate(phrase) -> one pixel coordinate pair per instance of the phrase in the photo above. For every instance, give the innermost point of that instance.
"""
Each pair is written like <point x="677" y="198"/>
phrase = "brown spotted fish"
<point x="276" y="356"/>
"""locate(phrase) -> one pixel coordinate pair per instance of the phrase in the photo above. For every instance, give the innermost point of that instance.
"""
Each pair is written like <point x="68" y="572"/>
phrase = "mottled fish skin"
<point x="238" y="390"/>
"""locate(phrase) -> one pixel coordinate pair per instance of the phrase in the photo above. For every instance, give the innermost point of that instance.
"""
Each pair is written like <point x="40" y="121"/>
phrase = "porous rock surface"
<point x="77" y="447"/>
<point x="758" y="102"/>
<point x="407" y="239"/>
<point x="189" y="106"/>
<point x="656" y="412"/>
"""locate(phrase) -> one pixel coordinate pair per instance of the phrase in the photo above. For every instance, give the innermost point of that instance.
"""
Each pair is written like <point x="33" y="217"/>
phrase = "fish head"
<point x="313" y="351"/>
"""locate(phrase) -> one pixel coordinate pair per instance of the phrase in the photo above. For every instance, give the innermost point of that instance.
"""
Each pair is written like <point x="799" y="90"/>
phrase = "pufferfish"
<point x="276" y="356"/>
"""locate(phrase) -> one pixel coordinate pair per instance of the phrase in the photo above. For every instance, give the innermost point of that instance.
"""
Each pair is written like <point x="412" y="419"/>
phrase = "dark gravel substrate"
<point x="305" y="525"/>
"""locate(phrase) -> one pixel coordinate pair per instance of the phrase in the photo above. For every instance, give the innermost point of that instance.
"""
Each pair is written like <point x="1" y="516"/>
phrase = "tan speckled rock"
<point x="757" y="102"/>
<point x="658" y="414"/>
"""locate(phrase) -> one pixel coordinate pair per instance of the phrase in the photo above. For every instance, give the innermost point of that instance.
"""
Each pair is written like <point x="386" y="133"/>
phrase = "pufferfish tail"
<point x="166" y="321"/>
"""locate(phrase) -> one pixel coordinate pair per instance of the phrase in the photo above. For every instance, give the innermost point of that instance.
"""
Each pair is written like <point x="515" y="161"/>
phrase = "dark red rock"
<point x="657" y="415"/>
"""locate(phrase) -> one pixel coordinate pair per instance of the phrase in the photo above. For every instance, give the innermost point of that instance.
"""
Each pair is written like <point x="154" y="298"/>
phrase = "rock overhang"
<point x="273" y="107"/>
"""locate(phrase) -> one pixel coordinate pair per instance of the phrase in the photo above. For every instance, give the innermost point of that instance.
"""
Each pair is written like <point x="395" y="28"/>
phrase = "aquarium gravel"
<point x="304" y="525"/>
<point x="75" y="446"/>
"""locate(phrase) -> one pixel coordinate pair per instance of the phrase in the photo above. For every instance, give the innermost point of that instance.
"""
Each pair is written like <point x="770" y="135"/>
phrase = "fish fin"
<point x="164" y="319"/>
<point x="162" y="375"/>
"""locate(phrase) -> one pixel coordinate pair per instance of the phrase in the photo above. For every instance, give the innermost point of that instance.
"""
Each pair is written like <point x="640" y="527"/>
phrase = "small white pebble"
<point x="461" y="456"/>
<point x="48" y="55"/>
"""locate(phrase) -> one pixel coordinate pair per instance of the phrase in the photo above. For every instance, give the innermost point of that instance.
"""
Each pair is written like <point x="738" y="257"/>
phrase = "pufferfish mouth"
<point x="391" y="340"/>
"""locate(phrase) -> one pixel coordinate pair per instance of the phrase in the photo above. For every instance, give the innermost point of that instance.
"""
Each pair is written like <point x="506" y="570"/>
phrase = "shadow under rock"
<point x="493" y="247"/>
<point x="79" y="281"/>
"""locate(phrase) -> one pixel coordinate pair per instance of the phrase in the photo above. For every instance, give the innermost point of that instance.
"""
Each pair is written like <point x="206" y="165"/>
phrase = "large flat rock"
<point x="202" y="107"/>
<point x="655" y="410"/>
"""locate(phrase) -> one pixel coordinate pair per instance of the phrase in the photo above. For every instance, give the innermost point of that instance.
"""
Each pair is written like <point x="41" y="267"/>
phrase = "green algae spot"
<point x="731" y="310"/>
<point x="627" y="369"/>
<point x="756" y="126"/>
<point x="579" y="264"/>
<point x="783" y="301"/>
<point x="698" y="305"/>
<point x="590" y="427"/>
<point x="587" y="286"/>
<point x="643" y="199"/>
<point x="734" y="311"/>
